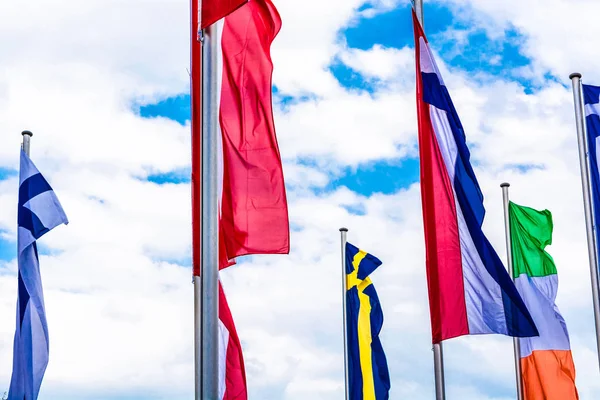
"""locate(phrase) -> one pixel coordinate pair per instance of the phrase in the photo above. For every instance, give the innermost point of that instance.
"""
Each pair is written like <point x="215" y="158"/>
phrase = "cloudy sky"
<point x="103" y="85"/>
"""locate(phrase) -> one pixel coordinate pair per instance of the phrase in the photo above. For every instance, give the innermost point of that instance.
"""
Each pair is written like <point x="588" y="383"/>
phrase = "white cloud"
<point x="380" y="62"/>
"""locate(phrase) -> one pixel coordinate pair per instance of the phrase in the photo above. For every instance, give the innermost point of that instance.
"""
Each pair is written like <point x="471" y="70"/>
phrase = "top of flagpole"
<point x="26" y="144"/>
<point x="575" y="75"/>
<point x="505" y="184"/>
<point x="419" y="10"/>
<point x="342" y="229"/>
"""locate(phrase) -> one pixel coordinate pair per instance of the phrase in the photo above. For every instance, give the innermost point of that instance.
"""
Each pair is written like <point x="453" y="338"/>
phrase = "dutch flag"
<point x="470" y="291"/>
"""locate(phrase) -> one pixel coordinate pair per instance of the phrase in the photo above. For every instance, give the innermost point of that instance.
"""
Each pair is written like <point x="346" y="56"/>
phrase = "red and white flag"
<point x="232" y="375"/>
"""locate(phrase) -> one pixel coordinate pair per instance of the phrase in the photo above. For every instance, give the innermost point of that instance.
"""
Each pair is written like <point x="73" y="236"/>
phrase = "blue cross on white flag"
<point x="591" y="98"/>
<point x="39" y="211"/>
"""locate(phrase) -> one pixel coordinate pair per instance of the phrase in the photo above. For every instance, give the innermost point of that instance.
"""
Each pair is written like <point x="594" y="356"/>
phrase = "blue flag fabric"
<point x="39" y="211"/>
<point x="367" y="366"/>
<point x="591" y="99"/>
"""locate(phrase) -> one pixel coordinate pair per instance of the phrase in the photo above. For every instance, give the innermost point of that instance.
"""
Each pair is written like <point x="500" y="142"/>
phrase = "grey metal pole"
<point x="419" y="11"/>
<point x="209" y="274"/>
<point x="587" y="202"/>
<point x="343" y="234"/>
<point x="197" y="337"/>
<point x="516" y="343"/>
<point x="438" y="365"/>
<point x="26" y="141"/>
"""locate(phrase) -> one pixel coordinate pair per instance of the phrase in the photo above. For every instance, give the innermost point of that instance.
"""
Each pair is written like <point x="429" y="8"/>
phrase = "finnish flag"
<point x="39" y="211"/>
<point x="591" y="99"/>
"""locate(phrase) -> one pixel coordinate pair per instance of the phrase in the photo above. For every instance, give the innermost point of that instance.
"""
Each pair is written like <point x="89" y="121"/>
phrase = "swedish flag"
<point x="367" y="366"/>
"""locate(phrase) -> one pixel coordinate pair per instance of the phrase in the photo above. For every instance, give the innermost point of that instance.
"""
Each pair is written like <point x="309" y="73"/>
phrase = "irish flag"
<point x="548" y="371"/>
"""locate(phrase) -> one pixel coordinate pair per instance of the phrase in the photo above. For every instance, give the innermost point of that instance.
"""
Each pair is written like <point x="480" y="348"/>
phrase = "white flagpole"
<point x="438" y="354"/>
<point x="343" y="233"/>
<point x="509" y="260"/>
<point x="587" y="203"/>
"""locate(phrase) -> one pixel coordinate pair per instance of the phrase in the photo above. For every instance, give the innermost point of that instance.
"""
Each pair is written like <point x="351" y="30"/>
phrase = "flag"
<point x="470" y="291"/>
<point x="39" y="211"/>
<point x="546" y="362"/>
<point x="213" y="10"/>
<point x="253" y="213"/>
<point x="253" y="206"/>
<point x="591" y="99"/>
<point x="367" y="366"/>
<point x="232" y="375"/>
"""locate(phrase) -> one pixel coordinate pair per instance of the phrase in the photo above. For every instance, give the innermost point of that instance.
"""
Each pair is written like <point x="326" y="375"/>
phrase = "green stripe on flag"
<point x="530" y="233"/>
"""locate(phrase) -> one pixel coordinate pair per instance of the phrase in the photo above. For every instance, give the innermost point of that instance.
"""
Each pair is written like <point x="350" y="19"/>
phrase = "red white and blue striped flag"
<point x="470" y="291"/>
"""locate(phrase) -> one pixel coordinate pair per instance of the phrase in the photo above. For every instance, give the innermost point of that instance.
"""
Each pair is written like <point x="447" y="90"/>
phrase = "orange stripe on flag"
<point x="549" y="375"/>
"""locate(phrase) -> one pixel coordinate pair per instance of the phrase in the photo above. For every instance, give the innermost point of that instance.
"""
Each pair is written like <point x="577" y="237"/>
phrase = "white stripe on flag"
<point x="27" y="168"/>
<point x="591" y="109"/>
<point x="223" y="344"/>
<point x="483" y="297"/>
<point x="426" y="60"/>
<point x="47" y="208"/>
<point x="539" y="293"/>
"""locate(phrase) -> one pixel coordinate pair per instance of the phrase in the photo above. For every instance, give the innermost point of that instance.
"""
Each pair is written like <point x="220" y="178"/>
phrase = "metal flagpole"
<point x="438" y="354"/>
<point x="419" y="11"/>
<point x="438" y="365"/>
<point x="197" y="338"/>
<point x="587" y="203"/>
<point x="26" y="141"/>
<point x="343" y="233"/>
<point x="210" y="228"/>
<point x="516" y="343"/>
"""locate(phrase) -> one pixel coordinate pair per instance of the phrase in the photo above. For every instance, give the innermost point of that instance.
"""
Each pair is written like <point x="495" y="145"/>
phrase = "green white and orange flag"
<point x="547" y="367"/>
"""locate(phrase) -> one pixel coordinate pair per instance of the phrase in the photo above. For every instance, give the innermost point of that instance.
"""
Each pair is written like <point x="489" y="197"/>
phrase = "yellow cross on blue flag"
<point x="369" y="377"/>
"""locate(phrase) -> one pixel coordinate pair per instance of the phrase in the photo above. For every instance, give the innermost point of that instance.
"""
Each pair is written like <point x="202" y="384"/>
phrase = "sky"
<point x="104" y="87"/>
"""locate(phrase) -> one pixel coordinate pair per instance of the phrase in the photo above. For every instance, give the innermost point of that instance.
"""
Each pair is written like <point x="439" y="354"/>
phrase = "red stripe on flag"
<point x="442" y="243"/>
<point x="235" y="373"/>
<point x="214" y="10"/>
<point x="254" y="205"/>
<point x="196" y="122"/>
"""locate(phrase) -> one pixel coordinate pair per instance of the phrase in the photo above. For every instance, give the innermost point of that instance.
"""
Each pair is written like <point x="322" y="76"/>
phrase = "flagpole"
<point x="343" y="234"/>
<point x="438" y="365"/>
<point x="419" y="11"/>
<point x="26" y="141"/>
<point x="516" y="343"/>
<point x="438" y="353"/>
<point x="587" y="204"/>
<point x="210" y="229"/>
